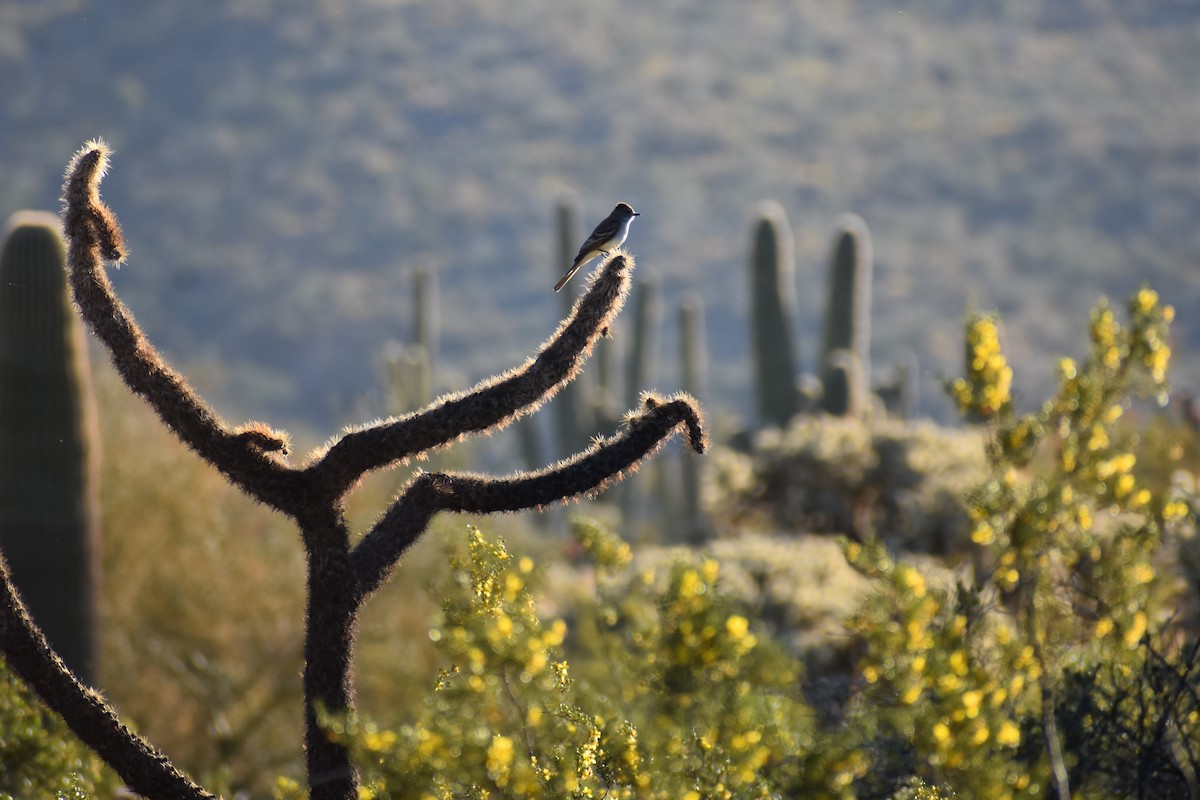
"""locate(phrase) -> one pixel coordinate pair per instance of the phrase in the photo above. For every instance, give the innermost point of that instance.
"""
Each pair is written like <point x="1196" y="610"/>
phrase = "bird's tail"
<point x="563" y="280"/>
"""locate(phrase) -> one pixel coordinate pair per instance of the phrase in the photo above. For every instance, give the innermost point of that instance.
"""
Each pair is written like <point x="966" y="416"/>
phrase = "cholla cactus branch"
<point x="94" y="236"/>
<point x="491" y="404"/>
<point x="586" y="473"/>
<point x="144" y="769"/>
<point x="251" y="455"/>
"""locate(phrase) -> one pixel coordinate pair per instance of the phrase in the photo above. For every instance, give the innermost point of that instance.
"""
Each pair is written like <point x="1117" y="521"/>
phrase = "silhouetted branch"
<point x="144" y="769"/>
<point x="339" y="579"/>
<point x="492" y="403"/>
<point x="93" y="234"/>
<point x="588" y="472"/>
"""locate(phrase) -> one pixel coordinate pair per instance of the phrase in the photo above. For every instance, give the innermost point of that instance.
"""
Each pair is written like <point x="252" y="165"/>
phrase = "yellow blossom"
<point x="913" y="581"/>
<point x="1104" y="627"/>
<point x="1136" y="629"/>
<point x="499" y="758"/>
<point x="1175" y="509"/>
<point x="983" y="534"/>
<point x="1008" y="735"/>
<point x="737" y="626"/>
<point x="1141" y="573"/>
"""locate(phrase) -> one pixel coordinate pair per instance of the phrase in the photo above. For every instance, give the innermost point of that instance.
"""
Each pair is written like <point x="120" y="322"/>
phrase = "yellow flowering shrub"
<point x="963" y="685"/>
<point x="678" y="694"/>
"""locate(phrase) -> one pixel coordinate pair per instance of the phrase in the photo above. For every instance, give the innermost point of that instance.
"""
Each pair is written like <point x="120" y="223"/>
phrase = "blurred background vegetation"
<point x="284" y="173"/>
<point x="282" y="170"/>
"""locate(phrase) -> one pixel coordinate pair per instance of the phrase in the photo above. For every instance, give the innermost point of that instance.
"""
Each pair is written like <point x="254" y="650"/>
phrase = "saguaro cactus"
<point x="426" y="328"/>
<point x="848" y="312"/>
<point x="773" y="315"/>
<point x="48" y="441"/>
<point x="845" y="389"/>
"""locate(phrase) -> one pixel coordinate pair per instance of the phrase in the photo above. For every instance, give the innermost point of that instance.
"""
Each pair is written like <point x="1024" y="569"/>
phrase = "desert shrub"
<point x="38" y="755"/>
<point x="676" y="694"/>
<point x="968" y="685"/>
<point x="201" y="607"/>
<point x="903" y="481"/>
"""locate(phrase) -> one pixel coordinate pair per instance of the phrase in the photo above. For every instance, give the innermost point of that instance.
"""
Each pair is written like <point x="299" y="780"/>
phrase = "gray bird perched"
<point x="608" y="236"/>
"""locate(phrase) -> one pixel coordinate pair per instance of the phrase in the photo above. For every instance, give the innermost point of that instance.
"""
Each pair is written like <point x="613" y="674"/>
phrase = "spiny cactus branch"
<point x="144" y="769"/>
<point x="586" y="473"/>
<point x="339" y="579"/>
<point x="493" y="403"/>
<point x="94" y="236"/>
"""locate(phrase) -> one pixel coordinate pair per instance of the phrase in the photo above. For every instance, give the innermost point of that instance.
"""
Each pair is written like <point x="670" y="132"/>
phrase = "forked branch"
<point x="339" y="578"/>
<point x="586" y="473"/>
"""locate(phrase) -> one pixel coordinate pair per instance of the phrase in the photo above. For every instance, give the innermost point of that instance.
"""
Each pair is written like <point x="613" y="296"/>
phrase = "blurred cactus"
<point x="694" y="356"/>
<point x="643" y="347"/>
<point x="48" y="441"/>
<point x="845" y="386"/>
<point x="848" y="312"/>
<point x="408" y="378"/>
<point x="772" y="315"/>
<point x="899" y="394"/>
<point x="573" y="424"/>
<point x="426" y="327"/>
<point x="639" y="367"/>
<point x="604" y="391"/>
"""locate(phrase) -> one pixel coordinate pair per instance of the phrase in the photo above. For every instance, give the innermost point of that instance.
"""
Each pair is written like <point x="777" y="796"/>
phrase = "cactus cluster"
<point x="48" y="441"/>
<point x="841" y="385"/>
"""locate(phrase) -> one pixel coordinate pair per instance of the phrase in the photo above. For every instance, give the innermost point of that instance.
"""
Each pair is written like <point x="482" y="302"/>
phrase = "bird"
<point x="608" y="236"/>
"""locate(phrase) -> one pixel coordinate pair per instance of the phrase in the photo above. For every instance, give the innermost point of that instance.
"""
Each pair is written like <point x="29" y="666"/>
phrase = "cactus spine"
<point x="773" y="314"/>
<point x="48" y="441"/>
<point x="848" y="312"/>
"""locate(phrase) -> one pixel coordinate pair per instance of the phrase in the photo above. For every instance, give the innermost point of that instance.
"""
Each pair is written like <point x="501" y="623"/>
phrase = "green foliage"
<point x="39" y="757"/>
<point x="48" y="441"/>
<point x="968" y="685"/>
<point x="681" y="697"/>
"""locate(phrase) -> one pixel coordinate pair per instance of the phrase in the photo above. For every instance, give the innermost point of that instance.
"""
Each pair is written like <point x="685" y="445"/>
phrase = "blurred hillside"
<point x="281" y="169"/>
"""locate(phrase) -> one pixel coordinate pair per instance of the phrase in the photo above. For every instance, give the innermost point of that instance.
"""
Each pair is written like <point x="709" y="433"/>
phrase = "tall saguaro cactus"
<point x="773" y="315"/>
<point x="48" y="441"/>
<point x="343" y="570"/>
<point x="848" y="312"/>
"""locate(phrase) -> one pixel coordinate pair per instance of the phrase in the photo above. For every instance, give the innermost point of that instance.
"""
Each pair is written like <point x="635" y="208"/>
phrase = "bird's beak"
<point x="636" y="214"/>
